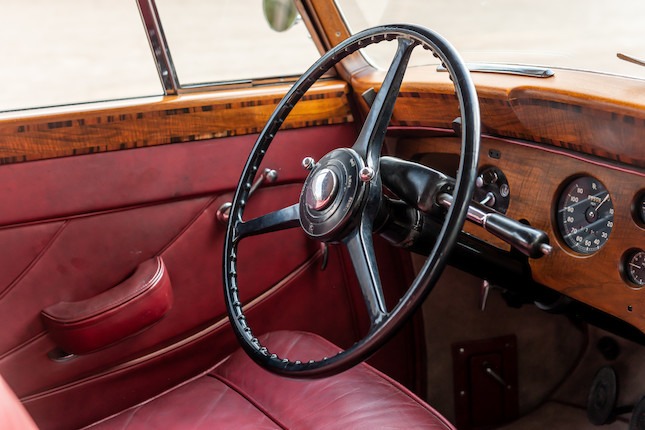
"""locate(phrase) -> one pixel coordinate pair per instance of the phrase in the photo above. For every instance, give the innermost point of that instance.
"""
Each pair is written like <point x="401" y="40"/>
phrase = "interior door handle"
<point x="136" y="303"/>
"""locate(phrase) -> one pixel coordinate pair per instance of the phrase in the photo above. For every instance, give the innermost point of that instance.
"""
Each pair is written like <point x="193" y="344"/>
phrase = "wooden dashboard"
<point x="536" y="174"/>
<point x="542" y="133"/>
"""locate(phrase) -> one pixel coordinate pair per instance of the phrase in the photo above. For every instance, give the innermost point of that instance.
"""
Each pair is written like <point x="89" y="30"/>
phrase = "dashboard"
<point x="592" y="209"/>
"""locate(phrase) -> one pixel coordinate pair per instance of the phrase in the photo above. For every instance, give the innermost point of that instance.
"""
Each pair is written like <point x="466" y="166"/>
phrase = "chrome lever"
<point x="496" y="376"/>
<point x="529" y="241"/>
<point x="268" y="175"/>
<point x="507" y="69"/>
<point x="488" y="200"/>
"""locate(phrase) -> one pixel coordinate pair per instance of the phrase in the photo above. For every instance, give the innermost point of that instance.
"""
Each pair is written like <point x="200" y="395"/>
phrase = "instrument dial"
<point x="635" y="268"/>
<point x="585" y="215"/>
<point x="639" y="208"/>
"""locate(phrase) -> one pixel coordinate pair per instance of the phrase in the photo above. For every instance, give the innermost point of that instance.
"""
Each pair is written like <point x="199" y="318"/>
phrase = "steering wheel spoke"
<point x="370" y="140"/>
<point x="361" y="251"/>
<point x="282" y="219"/>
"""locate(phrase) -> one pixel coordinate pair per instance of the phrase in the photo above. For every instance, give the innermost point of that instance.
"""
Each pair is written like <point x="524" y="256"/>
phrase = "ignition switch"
<point x="492" y="189"/>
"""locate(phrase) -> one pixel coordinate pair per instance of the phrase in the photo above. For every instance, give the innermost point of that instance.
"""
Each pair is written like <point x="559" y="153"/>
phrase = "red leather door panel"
<point x="72" y="228"/>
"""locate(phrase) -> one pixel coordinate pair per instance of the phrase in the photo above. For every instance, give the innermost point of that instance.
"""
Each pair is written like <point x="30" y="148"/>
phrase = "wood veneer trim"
<point x="166" y="120"/>
<point x="593" y="114"/>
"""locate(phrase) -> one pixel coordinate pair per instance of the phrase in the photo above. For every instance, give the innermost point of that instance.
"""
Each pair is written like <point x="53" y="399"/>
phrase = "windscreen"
<point x="574" y="34"/>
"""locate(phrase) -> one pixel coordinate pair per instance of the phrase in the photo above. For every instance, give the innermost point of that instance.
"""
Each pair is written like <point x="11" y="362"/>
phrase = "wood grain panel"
<point x="536" y="173"/>
<point x="328" y="21"/>
<point x="63" y="132"/>
<point x="590" y="113"/>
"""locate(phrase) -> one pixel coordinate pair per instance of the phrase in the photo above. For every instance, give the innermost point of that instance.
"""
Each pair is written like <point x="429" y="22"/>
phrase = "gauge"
<point x="635" y="268"/>
<point x="639" y="208"/>
<point x="585" y="215"/>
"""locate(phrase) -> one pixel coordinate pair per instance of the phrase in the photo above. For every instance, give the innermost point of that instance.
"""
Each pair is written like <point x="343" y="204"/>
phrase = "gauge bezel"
<point x="638" y="214"/>
<point x="624" y="270"/>
<point x="558" y="224"/>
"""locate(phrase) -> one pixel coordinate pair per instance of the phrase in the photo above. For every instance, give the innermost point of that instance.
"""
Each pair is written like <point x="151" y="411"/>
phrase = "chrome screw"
<point x="366" y="174"/>
<point x="308" y="163"/>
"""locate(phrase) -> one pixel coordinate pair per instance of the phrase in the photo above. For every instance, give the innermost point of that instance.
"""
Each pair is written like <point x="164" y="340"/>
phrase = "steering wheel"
<point x="341" y="197"/>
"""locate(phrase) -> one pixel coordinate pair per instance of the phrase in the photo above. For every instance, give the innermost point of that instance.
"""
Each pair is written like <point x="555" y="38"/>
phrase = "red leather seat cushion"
<point x="204" y="403"/>
<point x="239" y="394"/>
<point x="13" y="415"/>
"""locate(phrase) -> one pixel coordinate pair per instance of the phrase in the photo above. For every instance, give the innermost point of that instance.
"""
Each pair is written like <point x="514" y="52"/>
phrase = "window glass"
<point x="577" y="34"/>
<point x="73" y="51"/>
<point x="229" y="40"/>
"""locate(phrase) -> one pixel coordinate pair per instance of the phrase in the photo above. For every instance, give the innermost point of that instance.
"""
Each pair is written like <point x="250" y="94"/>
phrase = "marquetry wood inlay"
<point x="63" y="132"/>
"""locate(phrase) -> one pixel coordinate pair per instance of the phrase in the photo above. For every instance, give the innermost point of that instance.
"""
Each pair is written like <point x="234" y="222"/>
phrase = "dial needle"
<point x="635" y="266"/>
<point x="602" y="202"/>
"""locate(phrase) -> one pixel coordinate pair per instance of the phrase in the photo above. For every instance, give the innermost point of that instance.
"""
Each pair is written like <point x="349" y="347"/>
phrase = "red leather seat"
<point x="237" y="393"/>
<point x="12" y="415"/>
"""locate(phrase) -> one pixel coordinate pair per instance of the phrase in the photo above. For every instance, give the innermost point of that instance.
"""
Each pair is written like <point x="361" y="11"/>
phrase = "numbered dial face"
<point x="635" y="268"/>
<point x="585" y="215"/>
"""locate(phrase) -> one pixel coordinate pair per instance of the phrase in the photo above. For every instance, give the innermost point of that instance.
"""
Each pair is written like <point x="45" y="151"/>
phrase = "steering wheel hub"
<point x="331" y="195"/>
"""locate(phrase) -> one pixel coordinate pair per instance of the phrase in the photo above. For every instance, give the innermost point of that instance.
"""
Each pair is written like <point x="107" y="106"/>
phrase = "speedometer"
<point x="585" y="215"/>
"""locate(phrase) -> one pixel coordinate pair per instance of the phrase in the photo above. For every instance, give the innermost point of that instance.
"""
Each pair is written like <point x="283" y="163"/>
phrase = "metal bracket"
<point x="486" y="386"/>
<point x="268" y="175"/>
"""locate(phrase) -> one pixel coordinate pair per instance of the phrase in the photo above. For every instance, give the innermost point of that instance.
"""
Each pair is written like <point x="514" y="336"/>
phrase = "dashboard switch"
<point x="492" y="189"/>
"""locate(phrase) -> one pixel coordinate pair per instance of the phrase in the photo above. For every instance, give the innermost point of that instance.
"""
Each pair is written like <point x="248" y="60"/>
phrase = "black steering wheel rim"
<point x="408" y="37"/>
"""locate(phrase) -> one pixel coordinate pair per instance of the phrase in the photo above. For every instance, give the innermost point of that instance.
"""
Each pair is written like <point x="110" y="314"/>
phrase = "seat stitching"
<point x="259" y="407"/>
<point x="206" y="413"/>
<point x="126" y="424"/>
<point x="404" y="391"/>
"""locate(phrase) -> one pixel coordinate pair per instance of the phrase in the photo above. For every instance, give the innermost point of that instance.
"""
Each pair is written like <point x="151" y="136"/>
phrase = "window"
<point x="577" y="34"/>
<point x="77" y="51"/>
<point x="229" y="40"/>
<point x="73" y="51"/>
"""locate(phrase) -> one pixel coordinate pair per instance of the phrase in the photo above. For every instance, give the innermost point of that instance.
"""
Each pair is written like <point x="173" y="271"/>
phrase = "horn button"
<point x="322" y="190"/>
<point x="331" y="194"/>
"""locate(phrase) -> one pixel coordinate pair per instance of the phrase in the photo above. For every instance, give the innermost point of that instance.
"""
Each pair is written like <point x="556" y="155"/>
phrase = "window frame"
<point x="166" y="68"/>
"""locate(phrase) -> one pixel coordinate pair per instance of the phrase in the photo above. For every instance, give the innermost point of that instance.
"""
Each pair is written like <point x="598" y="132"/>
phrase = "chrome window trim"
<point x="166" y="67"/>
<point x="159" y="46"/>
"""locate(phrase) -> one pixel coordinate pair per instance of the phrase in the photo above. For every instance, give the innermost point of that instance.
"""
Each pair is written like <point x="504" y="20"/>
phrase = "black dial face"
<point x="585" y="215"/>
<point x="635" y="268"/>
<point x="640" y="208"/>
